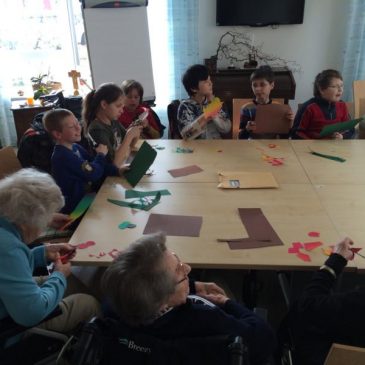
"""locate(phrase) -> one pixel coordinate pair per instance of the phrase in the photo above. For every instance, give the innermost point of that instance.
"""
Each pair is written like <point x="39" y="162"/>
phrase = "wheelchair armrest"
<point x="9" y="328"/>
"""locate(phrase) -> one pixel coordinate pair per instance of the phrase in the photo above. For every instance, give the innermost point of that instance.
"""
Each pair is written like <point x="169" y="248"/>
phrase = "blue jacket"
<point x="77" y="174"/>
<point x="20" y="297"/>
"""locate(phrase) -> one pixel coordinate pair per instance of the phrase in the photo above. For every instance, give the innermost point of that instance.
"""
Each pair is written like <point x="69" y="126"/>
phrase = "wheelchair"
<point x="29" y="346"/>
<point x="102" y="342"/>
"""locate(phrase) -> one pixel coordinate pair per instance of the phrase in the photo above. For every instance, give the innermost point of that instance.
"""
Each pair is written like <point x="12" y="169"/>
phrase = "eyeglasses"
<point x="181" y="267"/>
<point x="338" y="87"/>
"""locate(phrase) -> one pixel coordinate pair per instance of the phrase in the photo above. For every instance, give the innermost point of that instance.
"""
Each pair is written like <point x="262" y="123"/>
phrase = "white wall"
<point x="316" y="44"/>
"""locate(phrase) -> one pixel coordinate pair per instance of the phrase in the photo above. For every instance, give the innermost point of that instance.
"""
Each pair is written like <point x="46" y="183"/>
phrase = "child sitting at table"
<point x="101" y="110"/>
<point x="198" y="85"/>
<point x="134" y="107"/>
<point x="262" y="82"/>
<point x="74" y="170"/>
<point x="323" y="109"/>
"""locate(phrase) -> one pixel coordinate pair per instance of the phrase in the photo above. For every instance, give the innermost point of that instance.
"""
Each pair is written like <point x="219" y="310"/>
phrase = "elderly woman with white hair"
<point x="148" y="288"/>
<point x="28" y="199"/>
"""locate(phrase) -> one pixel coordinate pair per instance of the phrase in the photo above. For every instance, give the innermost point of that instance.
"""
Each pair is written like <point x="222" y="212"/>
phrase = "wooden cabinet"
<point x="23" y="116"/>
<point x="231" y="84"/>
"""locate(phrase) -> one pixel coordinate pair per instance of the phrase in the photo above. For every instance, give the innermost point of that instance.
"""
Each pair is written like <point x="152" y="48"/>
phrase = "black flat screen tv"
<point x="259" y="13"/>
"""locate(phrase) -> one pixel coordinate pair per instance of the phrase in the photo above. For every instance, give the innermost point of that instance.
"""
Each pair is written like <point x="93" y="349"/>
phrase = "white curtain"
<point x="354" y="53"/>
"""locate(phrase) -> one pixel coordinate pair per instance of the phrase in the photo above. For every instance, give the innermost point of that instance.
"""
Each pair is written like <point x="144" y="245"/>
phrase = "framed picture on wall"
<point x="113" y="4"/>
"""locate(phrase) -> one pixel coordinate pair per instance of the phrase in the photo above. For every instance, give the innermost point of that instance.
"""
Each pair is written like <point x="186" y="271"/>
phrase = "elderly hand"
<point x="337" y="135"/>
<point x="217" y="299"/>
<point x="59" y="220"/>
<point x="64" y="268"/>
<point x="202" y="288"/>
<point x="54" y="251"/>
<point x="343" y="248"/>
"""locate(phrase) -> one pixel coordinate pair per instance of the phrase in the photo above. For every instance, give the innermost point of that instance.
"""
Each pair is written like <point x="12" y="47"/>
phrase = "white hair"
<point x="29" y="197"/>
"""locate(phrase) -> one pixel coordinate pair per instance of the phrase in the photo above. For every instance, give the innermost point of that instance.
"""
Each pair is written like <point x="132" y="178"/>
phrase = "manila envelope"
<point x="246" y="180"/>
<point x="270" y="118"/>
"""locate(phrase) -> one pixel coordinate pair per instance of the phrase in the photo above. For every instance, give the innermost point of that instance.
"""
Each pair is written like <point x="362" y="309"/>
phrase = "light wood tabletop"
<point x="296" y="208"/>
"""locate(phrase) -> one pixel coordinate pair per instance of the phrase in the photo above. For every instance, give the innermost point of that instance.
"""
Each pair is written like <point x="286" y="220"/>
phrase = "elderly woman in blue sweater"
<point x="28" y="199"/>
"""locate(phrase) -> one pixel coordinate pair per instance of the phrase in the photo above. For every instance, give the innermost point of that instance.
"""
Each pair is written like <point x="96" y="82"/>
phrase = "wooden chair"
<point x="236" y="113"/>
<point x="343" y="354"/>
<point x="358" y="87"/>
<point x="172" y="109"/>
<point x="9" y="161"/>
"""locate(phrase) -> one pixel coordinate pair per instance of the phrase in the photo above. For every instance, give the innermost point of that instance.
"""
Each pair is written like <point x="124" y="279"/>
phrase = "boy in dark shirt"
<point x="262" y="82"/>
<point x="73" y="169"/>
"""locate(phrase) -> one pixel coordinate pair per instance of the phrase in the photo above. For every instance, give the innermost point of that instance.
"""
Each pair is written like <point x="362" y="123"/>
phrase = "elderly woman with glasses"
<point x="325" y="108"/>
<point x="28" y="200"/>
<point x="148" y="287"/>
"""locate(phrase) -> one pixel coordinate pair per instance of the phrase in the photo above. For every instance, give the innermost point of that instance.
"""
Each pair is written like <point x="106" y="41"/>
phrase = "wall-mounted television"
<point x="259" y="13"/>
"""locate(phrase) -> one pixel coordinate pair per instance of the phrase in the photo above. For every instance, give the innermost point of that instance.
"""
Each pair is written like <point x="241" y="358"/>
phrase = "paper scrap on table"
<point x="339" y="127"/>
<point x="144" y="203"/>
<point x="80" y="209"/>
<point x="140" y="164"/>
<point x="174" y="225"/>
<point x="313" y="234"/>
<point x="259" y="230"/>
<point x="329" y="157"/>
<point x="184" y="150"/>
<point x="309" y="246"/>
<point x="184" y="171"/>
<point x="126" y="224"/>
<point x="303" y="257"/>
<point x="246" y="180"/>
<point x="140" y="194"/>
<point x="84" y="245"/>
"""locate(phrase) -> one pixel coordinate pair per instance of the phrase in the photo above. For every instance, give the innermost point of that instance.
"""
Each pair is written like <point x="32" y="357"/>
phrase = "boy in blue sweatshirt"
<point x="74" y="170"/>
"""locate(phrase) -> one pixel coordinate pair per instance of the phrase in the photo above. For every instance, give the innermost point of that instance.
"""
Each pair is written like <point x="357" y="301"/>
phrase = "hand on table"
<point x="343" y="248"/>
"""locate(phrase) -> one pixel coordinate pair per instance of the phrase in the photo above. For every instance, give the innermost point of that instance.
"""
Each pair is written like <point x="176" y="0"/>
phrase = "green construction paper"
<point x="339" y="127"/>
<point x="333" y="158"/>
<point x="126" y="224"/>
<point x="140" y="194"/>
<point x="140" y="164"/>
<point x="137" y="204"/>
<point x="184" y="150"/>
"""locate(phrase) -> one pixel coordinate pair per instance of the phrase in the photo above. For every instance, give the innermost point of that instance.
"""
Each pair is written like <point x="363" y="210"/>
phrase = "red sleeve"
<point x="151" y="120"/>
<point x="304" y="124"/>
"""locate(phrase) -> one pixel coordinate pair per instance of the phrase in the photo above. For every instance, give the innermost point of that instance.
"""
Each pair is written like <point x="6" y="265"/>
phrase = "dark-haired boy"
<point x="262" y="82"/>
<point x="74" y="170"/>
<point x="198" y="85"/>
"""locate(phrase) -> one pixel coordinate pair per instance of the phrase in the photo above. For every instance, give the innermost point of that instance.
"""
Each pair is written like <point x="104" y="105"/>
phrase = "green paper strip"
<point x="140" y="194"/>
<point x="339" y="127"/>
<point x="135" y="205"/>
<point x="126" y="224"/>
<point x="83" y="206"/>
<point x="333" y="158"/>
<point x="184" y="150"/>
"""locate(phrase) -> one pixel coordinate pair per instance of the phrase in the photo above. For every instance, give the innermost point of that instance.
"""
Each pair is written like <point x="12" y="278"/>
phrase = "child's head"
<point x="262" y="82"/>
<point x="196" y="80"/>
<point x="133" y="92"/>
<point x="107" y="99"/>
<point x="62" y="125"/>
<point x="328" y="85"/>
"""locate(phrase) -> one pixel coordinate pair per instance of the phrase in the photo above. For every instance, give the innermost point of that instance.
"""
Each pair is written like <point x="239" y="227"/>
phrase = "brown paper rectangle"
<point x="246" y="180"/>
<point x="259" y="230"/>
<point x="270" y="118"/>
<point x="174" y="225"/>
<point x="184" y="171"/>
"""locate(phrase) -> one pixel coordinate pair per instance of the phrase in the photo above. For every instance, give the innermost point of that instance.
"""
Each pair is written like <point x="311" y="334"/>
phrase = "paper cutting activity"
<point x="182" y="182"/>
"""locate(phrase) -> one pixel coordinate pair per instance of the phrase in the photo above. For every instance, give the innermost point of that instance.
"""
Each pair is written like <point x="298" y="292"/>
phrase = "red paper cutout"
<point x="84" y="245"/>
<point x="303" y="256"/>
<point x="297" y="245"/>
<point x="355" y="249"/>
<point x="272" y="145"/>
<point x="293" y="249"/>
<point x="313" y="234"/>
<point x="309" y="246"/>
<point x="113" y="253"/>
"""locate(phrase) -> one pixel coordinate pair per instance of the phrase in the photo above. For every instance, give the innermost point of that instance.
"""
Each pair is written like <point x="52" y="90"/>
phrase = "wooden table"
<point x="301" y="204"/>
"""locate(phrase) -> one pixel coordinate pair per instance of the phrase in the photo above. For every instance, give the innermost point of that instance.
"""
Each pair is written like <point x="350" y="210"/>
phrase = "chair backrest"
<point x="359" y="93"/>
<point x="9" y="162"/>
<point x="351" y="108"/>
<point x="172" y="109"/>
<point x="343" y="354"/>
<point x="237" y="105"/>
<point x="106" y="342"/>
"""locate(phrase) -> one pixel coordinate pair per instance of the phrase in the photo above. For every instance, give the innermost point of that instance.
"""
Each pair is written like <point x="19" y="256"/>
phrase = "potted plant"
<point x="39" y="85"/>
